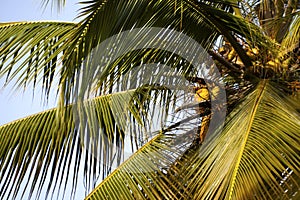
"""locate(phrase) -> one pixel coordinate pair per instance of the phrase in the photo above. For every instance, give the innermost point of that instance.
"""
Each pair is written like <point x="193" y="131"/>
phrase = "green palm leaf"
<point x="258" y="144"/>
<point x="203" y="21"/>
<point x="245" y="161"/>
<point x="43" y="145"/>
<point x="146" y="175"/>
<point x="124" y="15"/>
<point x="31" y="51"/>
<point x="291" y="39"/>
<point x="42" y="49"/>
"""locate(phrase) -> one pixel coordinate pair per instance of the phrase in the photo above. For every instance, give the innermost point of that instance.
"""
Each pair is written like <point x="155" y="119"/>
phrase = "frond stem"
<point x="261" y="90"/>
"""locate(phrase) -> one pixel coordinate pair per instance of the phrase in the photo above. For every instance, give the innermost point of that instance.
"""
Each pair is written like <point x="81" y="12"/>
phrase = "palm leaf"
<point x="145" y="174"/>
<point x="249" y="158"/>
<point x="43" y="146"/>
<point x="200" y="23"/>
<point x="259" y="143"/>
<point x="203" y="21"/>
<point x="125" y="15"/>
<point x="96" y="27"/>
<point x="31" y="50"/>
<point x="291" y="39"/>
<point x="39" y="137"/>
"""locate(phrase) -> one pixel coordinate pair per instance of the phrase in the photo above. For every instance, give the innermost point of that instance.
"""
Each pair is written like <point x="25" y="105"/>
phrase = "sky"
<point x="15" y="104"/>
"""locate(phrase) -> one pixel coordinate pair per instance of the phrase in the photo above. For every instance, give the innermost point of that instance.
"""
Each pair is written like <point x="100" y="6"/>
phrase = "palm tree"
<point x="255" y="45"/>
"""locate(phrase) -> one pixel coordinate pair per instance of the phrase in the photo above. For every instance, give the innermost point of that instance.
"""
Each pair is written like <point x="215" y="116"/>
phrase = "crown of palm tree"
<point x="255" y="45"/>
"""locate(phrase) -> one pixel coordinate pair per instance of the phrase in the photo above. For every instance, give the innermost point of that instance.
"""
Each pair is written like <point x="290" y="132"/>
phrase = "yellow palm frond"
<point x="255" y="156"/>
<point x="259" y="143"/>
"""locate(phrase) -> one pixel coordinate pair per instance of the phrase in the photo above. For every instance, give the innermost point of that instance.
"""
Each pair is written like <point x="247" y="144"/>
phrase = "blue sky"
<point x="31" y="10"/>
<point x="16" y="104"/>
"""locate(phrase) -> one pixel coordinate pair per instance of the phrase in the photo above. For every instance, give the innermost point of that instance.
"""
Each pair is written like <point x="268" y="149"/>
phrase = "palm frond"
<point x="126" y="15"/>
<point x="200" y="23"/>
<point x="291" y="39"/>
<point x="146" y="175"/>
<point x="259" y="144"/>
<point x="32" y="50"/>
<point x="255" y="156"/>
<point x="44" y="147"/>
<point x="246" y="160"/>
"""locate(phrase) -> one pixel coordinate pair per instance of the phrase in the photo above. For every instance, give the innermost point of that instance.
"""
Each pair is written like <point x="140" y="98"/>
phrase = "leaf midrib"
<point x="261" y="90"/>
